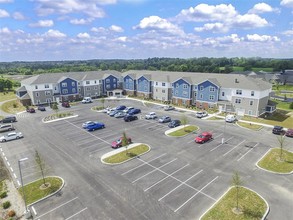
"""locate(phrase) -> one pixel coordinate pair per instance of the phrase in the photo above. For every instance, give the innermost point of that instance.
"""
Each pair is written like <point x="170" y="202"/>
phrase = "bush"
<point x="6" y="205"/>
<point x="3" y="195"/>
<point x="291" y="105"/>
<point x="11" y="213"/>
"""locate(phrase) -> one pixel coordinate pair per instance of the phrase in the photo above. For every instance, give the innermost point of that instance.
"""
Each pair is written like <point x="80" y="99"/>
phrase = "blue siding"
<point x="181" y="89"/>
<point x="110" y="83"/>
<point x="143" y="85"/>
<point x="68" y="87"/>
<point x="129" y="83"/>
<point x="204" y="92"/>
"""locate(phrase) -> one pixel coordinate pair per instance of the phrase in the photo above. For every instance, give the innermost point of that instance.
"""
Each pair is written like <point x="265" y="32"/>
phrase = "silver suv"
<point x="6" y="127"/>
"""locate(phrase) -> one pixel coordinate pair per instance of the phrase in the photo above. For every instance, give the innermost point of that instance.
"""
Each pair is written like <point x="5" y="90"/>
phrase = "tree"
<point x="125" y="141"/>
<point x="102" y="100"/>
<point x="281" y="140"/>
<point x="184" y="121"/>
<point x="237" y="182"/>
<point x="41" y="165"/>
<point x="55" y="107"/>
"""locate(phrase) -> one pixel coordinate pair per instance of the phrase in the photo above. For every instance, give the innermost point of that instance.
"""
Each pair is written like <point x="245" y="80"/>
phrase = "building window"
<point x="78" y="83"/>
<point x="48" y="100"/>
<point x="172" y="84"/>
<point x="47" y="92"/>
<point x="145" y="88"/>
<point x="100" y="81"/>
<point x="212" y="97"/>
<point x="64" y="91"/>
<point x="87" y="82"/>
<point x="212" y="89"/>
<point x="239" y="92"/>
<point x="95" y="88"/>
<point x="72" y="83"/>
<point x="163" y="84"/>
<point x="73" y="90"/>
<point x="252" y="93"/>
<point x="64" y="84"/>
<point x="177" y="85"/>
<point x="114" y="86"/>
<point x="107" y="80"/>
<point x="79" y="89"/>
<point x="184" y="93"/>
<point x="114" y="80"/>
<point x="95" y="81"/>
<point x="238" y="101"/>
<point x="185" y="86"/>
<point x="201" y="88"/>
<point x="37" y="94"/>
<point x="223" y="93"/>
<point x="250" y="102"/>
<point x="156" y="83"/>
<point x="163" y="91"/>
<point x="108" y="86"/>
<point x="46" y="86"/>
<point x="176" y="92"/>
<point x="88" y="88"/>
<point x="194" y="94"/>
<point x="55" y="88"/>
<point x="201" y="96"/>
<point x="249" y="112"/>
<point x="195" y="87"/>
<point x="36" y="86"/>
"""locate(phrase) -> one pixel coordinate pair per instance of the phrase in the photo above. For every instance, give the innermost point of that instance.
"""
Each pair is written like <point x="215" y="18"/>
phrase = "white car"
<point x="111" y="110"/>
<point x="201" y="114"/>
<point x="87" y="100"/>
<point x="230" y="118"/>
<point x="151" y="115"/>
<point x="128" y="109"/>
<point x="169" y="108"/>
<point x="11" y="136"/>
<point x="105" y="110"/>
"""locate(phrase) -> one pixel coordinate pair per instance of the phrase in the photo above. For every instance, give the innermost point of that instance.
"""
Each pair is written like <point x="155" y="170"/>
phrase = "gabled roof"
<point x="25" y="96"/>
<point x="21" y="89"/>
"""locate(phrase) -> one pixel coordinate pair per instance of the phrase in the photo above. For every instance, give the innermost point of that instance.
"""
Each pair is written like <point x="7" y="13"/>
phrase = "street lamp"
<point x="27" y="212"/>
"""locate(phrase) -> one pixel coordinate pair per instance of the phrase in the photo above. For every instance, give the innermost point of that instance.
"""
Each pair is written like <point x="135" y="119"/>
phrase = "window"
<point x="184" y="93"/>
<point x="201" y="88"/>
<point x="239" y="92"/>
<point x="88" y="88"/>
<point x="238" y="101"/>
<point x="87" y="82"/>
<point x="130" y="80"/>
<point x="95" y="81"/>
<point x="36" y="86"/>
<point x="46" y="86"/>
<point x="64" y="84"/>
<point x="48" y="100"/>
<point x="100" y="81"/>
<point x="201" y="96"/>
<point x="172" y="84"/>
<point x="176" y="92"/>
<point x="72" y="83"/>
<point x="212" y="97"/>
<point x="108" y="87"/>
<point x="212" y="89"/>
<point x="252" y="93"/>
<point x="249" y="112"/>
<point x="156" y="83"/>
<point x="114" y="86"/>
<point x="194" y="94"/>
<point x="156" y="90"/>
<point x="195" y="87"/>
<point x="37" y="94"/>
<point x="55" y="88"/>
<point x="163" y="91"/>
<point x="145" y="88"/>
<point x="185" y="86"/>
<point x="47" y="92"/>
<point x="250" y="102"/>
<point x="177" y="85"/>
<point x="107" y="80"/>
<point x="114" y="80"/>
<point x="223" y="93"/>
<point x="79" y="89"/>
<point x="163" y="84"/>
<point x="64" y="91"/>
<point x="73" y="90"/>
<point x="95" y="88"/>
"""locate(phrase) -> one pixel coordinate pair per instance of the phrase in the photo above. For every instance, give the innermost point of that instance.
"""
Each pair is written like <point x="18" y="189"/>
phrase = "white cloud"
<point x="6" y="1"/>
<point x="54" y="34"/>
<point x="3" y="13"/>
<point x="122" y="39"/>
<point x="84" y="35"/>
<point x="18" y="16"/>
<point x="260" y="8"/>
<point x="81" y="21"/>
<point x="98" y="29"/>
<point x="214" y="27"/>
<point x="159" y="24"/>
<point x="116" y="28"/>
<point x="261" y="38"/>
<point x="249" y="21"/>
<point x="42" y="23"/>
<point x="288" y="32"/>
<point x="5" y="30"/>
<point x="287" y="3"/>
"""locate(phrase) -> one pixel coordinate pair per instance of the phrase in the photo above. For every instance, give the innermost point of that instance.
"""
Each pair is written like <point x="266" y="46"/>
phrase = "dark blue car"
<point x="121" y="107"/>
<point x="95" y="126"/>
<point x="134" y="111"/>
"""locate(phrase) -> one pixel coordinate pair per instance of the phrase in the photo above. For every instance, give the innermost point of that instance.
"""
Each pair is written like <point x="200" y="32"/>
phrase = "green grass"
<point x="2" y="186"/>
<point x="215" y="118"/>
<point x="283" y="87"/>
<point x="34" y="193"/>
<point x="123" y="156"/>
<point x="183" y="131"/>
<point x="7" y="96"/>
<point x="97" y="108"/>
<point x="252" y="206"/>
<point x="250" y="126"/>
<point x="282" y="105"/>
<point x="255" y="69"/>
<point x="273" y="162"/>
<point x="13" y="107"/>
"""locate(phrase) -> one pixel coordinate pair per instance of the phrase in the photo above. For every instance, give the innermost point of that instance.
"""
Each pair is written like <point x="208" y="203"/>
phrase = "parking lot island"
<point x="181" y="130"/>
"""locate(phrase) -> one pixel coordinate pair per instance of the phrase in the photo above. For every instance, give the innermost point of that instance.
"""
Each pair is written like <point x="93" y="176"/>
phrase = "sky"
<point x="48" y="30"/>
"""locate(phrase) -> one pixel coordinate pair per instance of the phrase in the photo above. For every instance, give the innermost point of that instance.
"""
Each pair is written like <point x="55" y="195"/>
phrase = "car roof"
<point x="277" y="126"/>
<point x="206" y="133"/>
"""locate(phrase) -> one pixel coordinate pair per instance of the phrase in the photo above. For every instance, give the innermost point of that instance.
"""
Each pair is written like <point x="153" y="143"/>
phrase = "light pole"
<point x="27" y="212"/>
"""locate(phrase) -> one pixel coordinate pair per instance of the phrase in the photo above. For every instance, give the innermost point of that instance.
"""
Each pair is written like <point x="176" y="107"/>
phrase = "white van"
<point x="87" y="100"/>
<point x="230" y="118"/>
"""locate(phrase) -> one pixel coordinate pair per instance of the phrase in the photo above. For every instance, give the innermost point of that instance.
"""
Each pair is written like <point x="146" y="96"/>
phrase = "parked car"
<point x="87" y="100"/>
<point x="128" y="109"/>
<point x="11" y="136"/>
<point x="110" y="110"/>
<point x="31" y="110"/>
<point x="105" y="110"/>
<point x="151" y="115"/>
<point x="9" y="119"/>
<point x="120" y="115"/>
<point x="174" y="123"/>
<point x="230" y="118"/>
<point x="65" y="104"/>
<point x="41" y="108"/>
<point x="85" y="124"/>
<point x="121" y="107"/>
<point x="129" y="118"/>
<point x="134" y="111"/>
<point x="203" y="137"/>
<point x="169" y="107"/>
<point x="112" y="113"/>
<point x="164" y="119"/>
<point x="289" y="132"/>
<point x="118" y="143"/>
<point x="95" y="126"/>
<point x="201" y="114"/>
<point x="278" y="130"/>
<point x="6" y="127"/>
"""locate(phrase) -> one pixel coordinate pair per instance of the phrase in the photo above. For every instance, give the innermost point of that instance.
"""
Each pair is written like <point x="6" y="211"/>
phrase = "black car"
<point x="278" y="130"/>
<point x="9" y="119"/>
<point x="174" y="123"/>
<point x="128" y="118"/>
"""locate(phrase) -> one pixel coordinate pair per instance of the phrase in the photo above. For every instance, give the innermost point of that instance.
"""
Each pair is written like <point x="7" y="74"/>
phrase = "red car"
<point x="203" y="137"/>
<point x="65" y="104"/>
<point x="289" y="132"/>
<point x="31" y="110"/>
<point x="118" y="143"/>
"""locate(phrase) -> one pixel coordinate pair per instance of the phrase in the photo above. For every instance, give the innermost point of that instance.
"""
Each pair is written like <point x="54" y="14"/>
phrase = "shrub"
<point x="11" y="213"/>
<point x="3" y="195"/>
<point x="6" y="205"/>
<point x="14" y="105"/>
<point x="291" y="105"/>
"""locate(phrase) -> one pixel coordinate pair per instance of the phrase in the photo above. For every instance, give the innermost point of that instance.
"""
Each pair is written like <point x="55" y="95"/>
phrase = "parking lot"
<point x="177" y="179"/>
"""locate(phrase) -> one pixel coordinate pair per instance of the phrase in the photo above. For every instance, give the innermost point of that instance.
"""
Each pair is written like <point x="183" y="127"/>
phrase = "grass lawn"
<point x="12" y="107"/>
<point x="123" y="156"/>
<point x="33" y="191"/>
<point x="252" y="206"/>
<point x="273" y="163"/>
<point x="215" y="118"/>
<point x="282" y="105"/>
<point x="7" y="96"/>
<point x="249" y="126"/>
<point x="283" y="87"/>
<point x="183" y="131"/>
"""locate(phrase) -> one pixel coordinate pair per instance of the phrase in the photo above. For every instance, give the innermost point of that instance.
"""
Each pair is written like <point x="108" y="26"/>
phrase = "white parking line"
<point x="34" y="211"/>
<point x="233" y="148"/>
<point x="58" y="207"/>
<point x="196" y="194"/>
<point x="247" y="152"/>
<point x="143" y="164"/>
<point x="14" y="175"/>
<point x="165" y="178"/>
<point x="8" y="163"/>
<point x="182" y="183"/>
<point x="218" y="135"/>
<point x="103" y="148"/>
<point x="11" y="169"/>
<point x="154" y="170"/>
<point x="18" y="183"/>
<point x="220" y="144"/>
<point x="76" y="213"/>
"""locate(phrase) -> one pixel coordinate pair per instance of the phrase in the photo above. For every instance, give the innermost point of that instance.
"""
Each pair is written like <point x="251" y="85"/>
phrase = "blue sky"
<point x="32" y="30"/>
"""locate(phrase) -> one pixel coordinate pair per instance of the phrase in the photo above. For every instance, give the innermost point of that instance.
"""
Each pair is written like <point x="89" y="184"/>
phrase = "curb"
<point x="178" y="128"/>
<point x="59" y="119"/>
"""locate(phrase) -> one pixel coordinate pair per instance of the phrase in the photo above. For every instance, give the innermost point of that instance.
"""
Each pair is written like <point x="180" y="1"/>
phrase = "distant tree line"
<point x="203" y="64"/>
